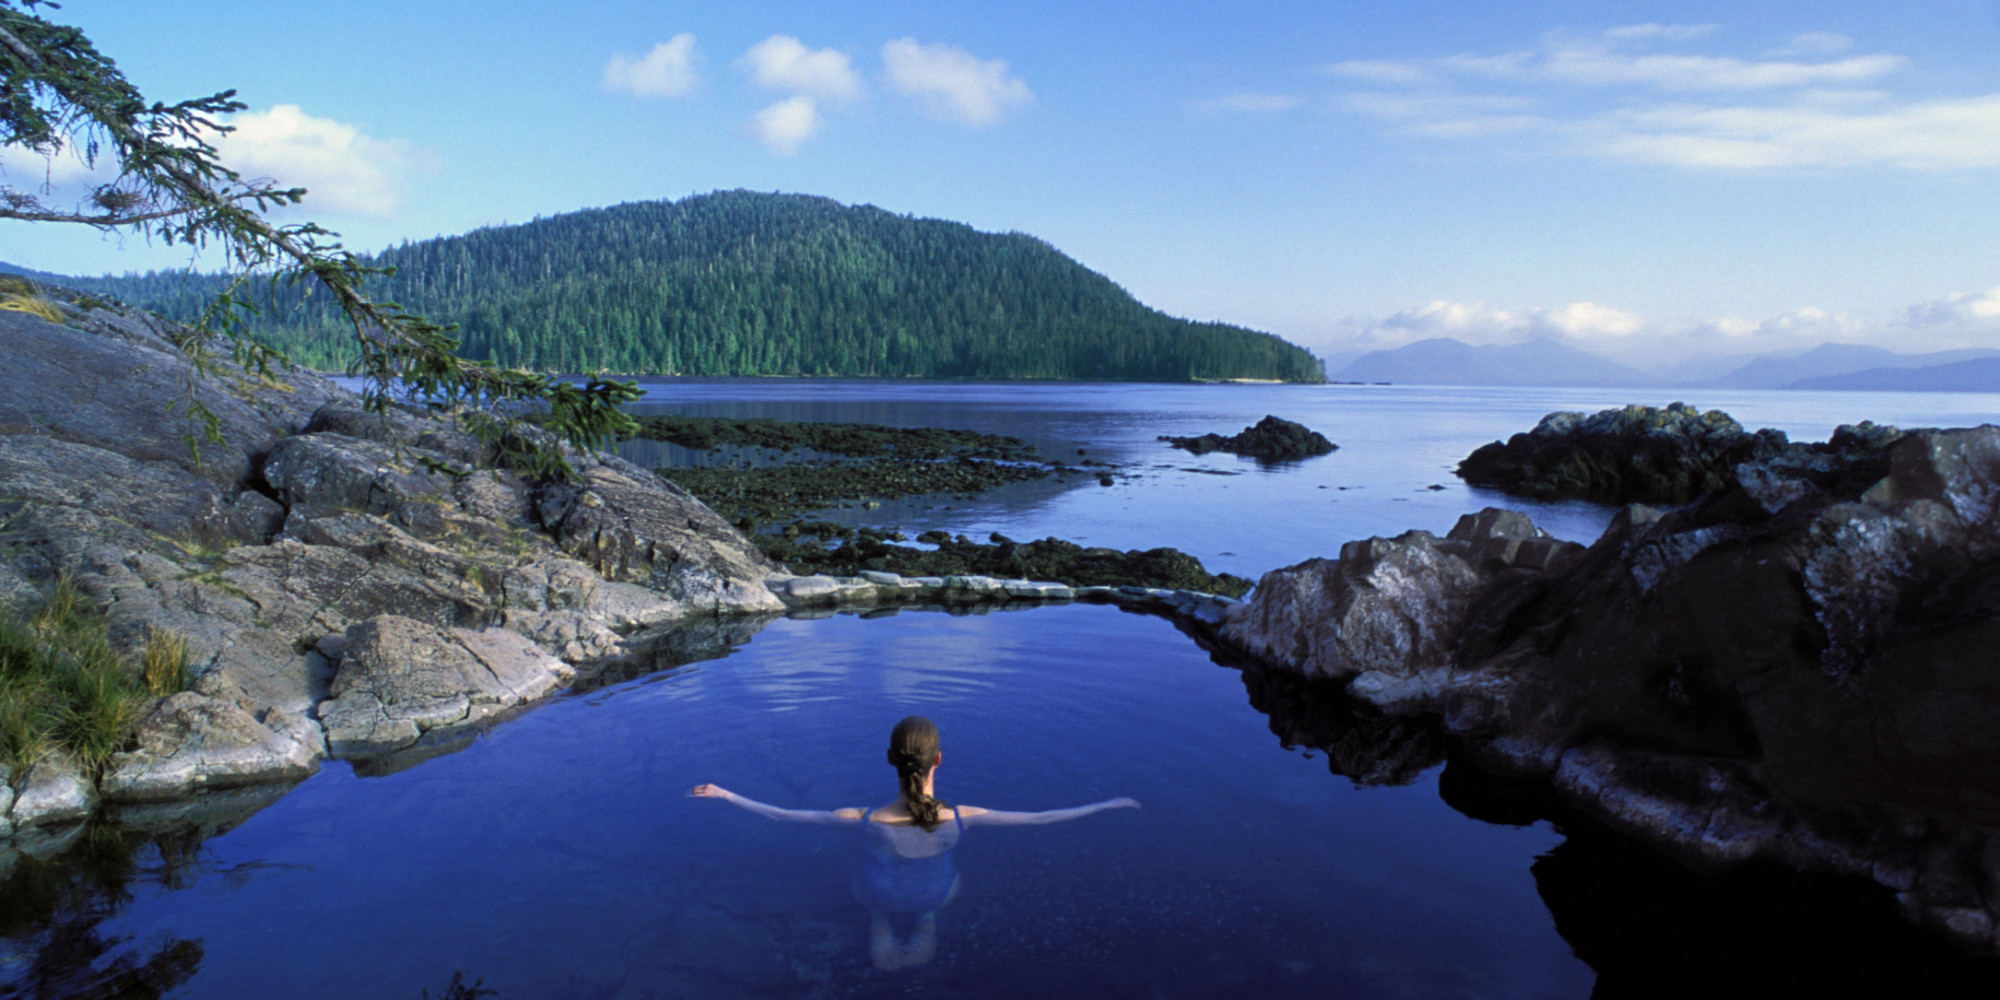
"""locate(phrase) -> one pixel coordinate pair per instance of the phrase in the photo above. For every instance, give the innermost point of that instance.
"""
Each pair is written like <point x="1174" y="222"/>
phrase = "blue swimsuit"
<point x="908" y="868"/>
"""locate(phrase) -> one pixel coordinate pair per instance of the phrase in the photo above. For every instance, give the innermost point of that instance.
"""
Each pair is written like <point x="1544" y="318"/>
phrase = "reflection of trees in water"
<point x="51" y="911"/>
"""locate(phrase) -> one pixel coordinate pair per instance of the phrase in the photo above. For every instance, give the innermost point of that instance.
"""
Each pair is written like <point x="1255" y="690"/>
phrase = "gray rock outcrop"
<point x="1795" y="677"/>
<point x="336" y="573"/>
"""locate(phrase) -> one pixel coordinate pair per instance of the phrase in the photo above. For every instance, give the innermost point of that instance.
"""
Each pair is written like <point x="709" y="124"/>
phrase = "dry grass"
<point x="33" y="305"/>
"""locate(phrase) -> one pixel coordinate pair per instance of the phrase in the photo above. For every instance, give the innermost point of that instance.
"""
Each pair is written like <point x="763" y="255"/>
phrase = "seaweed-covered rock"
<point x="1643" y="454"/>
<point x="1638" y="454"/>
<point x="1269" y="440"/>
<point x="1049" y="559"/>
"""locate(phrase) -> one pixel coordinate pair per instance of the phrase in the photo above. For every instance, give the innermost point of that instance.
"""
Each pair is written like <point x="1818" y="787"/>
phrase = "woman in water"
<point x="909" y="867"/>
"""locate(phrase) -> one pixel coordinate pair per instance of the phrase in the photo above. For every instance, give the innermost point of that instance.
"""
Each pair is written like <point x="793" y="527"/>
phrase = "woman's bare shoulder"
<point x="967" y="812"/>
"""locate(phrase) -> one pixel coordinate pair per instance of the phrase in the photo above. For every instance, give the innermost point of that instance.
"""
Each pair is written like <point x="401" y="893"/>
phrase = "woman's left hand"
<point x="708" y="792"/>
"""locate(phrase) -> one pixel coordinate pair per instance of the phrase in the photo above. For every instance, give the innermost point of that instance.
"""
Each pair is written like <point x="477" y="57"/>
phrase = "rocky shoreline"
<point x="1796" y="668"/>
<point x="1774" y="673"/>
<point x="352" y="585"/>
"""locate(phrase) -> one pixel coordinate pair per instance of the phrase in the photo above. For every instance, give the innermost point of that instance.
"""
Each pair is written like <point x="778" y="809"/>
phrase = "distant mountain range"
<point x="1444" y="361"/>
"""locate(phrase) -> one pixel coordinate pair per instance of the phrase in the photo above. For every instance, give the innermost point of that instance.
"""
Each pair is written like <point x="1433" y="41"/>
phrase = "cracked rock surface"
<point x="345" y="580"/>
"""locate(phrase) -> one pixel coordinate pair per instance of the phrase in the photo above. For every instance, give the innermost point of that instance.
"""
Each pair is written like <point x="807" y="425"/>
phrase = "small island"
<point x="1270" y="440"/>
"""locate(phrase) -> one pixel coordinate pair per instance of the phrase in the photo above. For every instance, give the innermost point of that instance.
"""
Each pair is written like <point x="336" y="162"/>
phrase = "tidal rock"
<point x="1809" y="682"/>
<point x="1643" y="454"/>
<point x="1269" y="440"/>
<point x="400" y="678"/>
<point x="190" y="742"/>
<point x="1639" y="454"/>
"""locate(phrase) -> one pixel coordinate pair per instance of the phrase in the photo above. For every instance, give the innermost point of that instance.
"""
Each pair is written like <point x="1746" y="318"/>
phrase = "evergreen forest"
<point x="746" y="283"/>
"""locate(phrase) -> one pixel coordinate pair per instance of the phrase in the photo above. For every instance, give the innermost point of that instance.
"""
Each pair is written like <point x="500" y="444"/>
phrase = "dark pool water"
<point x="555" y="855"/>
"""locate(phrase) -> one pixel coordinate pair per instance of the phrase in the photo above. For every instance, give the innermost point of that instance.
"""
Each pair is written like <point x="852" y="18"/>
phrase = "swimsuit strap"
<point x="865" y="813"/>
<point x="959" y="817"/>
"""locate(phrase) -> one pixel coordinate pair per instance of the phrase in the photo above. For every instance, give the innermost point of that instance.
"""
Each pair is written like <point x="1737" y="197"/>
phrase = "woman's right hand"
<point x="1121" y="802"/>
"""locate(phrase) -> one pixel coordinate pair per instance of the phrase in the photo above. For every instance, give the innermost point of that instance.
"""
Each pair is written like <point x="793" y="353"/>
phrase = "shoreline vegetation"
<point x="872" y="463"/>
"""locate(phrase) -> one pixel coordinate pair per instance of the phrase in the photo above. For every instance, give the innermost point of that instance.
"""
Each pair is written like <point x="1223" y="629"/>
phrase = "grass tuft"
<point x="33" y="305"/>
<point x="64" y="691"/>
<point x="163" y="666"/>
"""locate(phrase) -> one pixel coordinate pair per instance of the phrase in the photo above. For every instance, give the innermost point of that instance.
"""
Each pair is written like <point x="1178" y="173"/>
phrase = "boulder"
<point x="399" y="678"/>
<point x="190" y="742"/>
<point x="52" y="791"/>
<point x="1269" y="440"/>
<point x="1638" y="454"/>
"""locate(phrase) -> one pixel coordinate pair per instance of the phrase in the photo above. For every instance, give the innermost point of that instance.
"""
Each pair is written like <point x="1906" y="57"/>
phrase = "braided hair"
<point x="913" y="751"/>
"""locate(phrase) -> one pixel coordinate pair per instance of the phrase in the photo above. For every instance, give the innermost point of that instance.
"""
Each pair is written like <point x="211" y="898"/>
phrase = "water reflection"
<point x="1647" y="925"/>
<point x="54" y="906"/>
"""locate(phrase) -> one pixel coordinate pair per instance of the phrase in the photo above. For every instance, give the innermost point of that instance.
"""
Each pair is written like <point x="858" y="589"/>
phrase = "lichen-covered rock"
<point x="191" y="742"/>
<point x="399" y="678"/>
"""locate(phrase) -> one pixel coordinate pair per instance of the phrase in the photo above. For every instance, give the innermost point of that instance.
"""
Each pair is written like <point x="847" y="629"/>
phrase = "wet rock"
<point x="400" y="678"/>
<point x="190" y="742"/>
<point x="1269" y="440"/>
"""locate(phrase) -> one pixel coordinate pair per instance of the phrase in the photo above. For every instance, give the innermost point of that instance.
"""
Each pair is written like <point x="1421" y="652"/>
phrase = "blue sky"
<point x="1645" y="180"/>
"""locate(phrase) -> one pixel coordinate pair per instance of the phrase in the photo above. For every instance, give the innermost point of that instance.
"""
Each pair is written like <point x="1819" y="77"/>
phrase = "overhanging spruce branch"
<point x="56" y="90"/>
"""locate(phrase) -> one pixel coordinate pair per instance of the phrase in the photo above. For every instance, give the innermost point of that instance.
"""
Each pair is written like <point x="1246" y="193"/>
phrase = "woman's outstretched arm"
<point x="833" y="817"/>
<point x="975" y="816"/>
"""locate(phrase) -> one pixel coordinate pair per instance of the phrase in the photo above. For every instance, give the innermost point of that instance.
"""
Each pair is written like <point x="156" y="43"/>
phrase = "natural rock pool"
<point x="556" y="855"/>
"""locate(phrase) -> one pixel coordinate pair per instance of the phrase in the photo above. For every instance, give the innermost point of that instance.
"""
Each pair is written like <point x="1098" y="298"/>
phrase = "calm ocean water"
<point x="556" y="855"/>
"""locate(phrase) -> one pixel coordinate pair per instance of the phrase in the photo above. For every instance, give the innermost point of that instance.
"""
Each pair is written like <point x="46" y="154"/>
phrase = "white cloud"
<point x="786" y="125"/>
<point x="1248" y="103"/>
<point x="1975" y="309"/>
<point x="669" y="70"/>
<point x="344" y="171"/>
<point x="60" y="170"/>
<point x="1814" y="43"/>
<point x="1480" y="323"/>
<point x="1587" y="321"/>
<point x="1670" y="32"/>
<point x="1932" y="135"/>
<point x="952" y="84"/>
<point x="1604" y="95"/>
<point x="783" y="63"/>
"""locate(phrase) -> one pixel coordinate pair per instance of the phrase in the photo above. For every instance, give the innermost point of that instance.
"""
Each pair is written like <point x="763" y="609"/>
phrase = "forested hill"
<point x="742" y="283"/>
